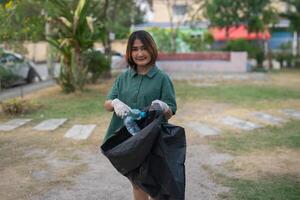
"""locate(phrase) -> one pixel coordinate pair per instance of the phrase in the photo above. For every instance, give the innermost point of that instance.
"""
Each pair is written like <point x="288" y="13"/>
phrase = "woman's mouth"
<point x="140" y="59"/>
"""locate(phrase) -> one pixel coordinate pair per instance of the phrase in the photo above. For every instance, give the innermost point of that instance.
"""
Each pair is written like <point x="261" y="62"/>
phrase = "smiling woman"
<point x="142" y="85"/>
<point x="141" y="52"/>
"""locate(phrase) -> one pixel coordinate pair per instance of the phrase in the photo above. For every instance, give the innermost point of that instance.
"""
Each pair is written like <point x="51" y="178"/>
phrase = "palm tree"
<point x="72" y="34"/>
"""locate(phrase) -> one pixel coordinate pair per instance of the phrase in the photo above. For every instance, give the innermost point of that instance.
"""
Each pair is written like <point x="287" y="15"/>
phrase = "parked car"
<point x="16" y="70"/>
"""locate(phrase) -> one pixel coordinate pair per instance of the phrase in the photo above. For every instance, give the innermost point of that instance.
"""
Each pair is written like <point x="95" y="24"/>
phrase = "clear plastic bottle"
<point x="130" y="120"/>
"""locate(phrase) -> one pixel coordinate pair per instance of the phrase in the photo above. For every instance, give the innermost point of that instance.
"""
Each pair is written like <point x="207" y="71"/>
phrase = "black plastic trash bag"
<point x="153" y="159"/>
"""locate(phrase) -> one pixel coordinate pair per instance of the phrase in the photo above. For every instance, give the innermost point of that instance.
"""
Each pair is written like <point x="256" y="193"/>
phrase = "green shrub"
<point x="18" y="106"/>
<point x="241" y="45"/>
<point x="97" y="64"/>
<point x="285" y="55"/>
<point x="254" y="50"/>
<point x="7" y="78"/>
<point x="162" y="38"/>
<point x="198" y="43"/>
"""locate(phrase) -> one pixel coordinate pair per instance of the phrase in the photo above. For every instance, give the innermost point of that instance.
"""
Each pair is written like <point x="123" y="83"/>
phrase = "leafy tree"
<point x="293" y="15"/>
<point x="224" y="13"/>
<point x="258" y="16"/>
<point x="21" y="21"/>
<point x="76" y="25"/>
<point x="115" y="17"/>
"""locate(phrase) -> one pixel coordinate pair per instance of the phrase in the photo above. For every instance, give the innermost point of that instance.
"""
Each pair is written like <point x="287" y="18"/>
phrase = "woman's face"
<point x="139" y="54"/>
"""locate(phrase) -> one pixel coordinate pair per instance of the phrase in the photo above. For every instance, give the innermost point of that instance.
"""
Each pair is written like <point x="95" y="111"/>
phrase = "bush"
<point x="241" y="45"/>
<point x="7" y="78"/>
<point x="18" y="106"/>
<point x="162" y="38"/>
<point x="254" y="51"/>
<point x="97" y="64"/>
<point x="284" y="55"/>
<point x="198" y="43"/>
<point x="185" y="40"/>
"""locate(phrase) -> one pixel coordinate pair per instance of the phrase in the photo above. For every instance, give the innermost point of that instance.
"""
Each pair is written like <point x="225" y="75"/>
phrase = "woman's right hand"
<point x="120" y="108"/>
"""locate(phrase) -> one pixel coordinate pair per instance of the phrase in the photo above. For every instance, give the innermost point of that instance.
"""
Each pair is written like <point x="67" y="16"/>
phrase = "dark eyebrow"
<point x="135" y="47"/>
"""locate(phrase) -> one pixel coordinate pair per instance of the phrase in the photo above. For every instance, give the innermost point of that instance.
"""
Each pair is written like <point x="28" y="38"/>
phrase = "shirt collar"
<point x="150" y="73"/>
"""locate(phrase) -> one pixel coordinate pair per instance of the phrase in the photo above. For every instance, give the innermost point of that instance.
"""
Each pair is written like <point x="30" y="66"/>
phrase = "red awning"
<point x="238" y="32"/>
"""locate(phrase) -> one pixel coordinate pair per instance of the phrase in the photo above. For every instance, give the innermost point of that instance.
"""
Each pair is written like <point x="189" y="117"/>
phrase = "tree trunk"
<point x="173" y="30"/>
<point x="66" y="79"/>
<point x="174" y="36"/>
<point x="81" y="75"/>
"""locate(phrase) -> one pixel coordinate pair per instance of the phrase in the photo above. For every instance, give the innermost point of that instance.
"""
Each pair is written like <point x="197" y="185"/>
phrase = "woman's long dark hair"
<point x="147" y="41"/>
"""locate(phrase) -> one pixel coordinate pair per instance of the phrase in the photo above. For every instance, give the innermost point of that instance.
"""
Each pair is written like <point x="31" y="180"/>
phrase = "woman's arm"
<point x="108" y="106"/>
<point x="168" y="114"/>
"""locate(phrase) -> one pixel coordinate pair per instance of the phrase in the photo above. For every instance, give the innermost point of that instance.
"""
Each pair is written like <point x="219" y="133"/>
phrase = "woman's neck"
<point x="143" y="69"/>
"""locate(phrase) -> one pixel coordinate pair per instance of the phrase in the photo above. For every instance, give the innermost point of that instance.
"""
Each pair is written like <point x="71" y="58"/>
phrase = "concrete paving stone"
<point x="292" y="113"/>
<point x="13" y="124"/>
<point x="203" y="129"/>
<point x="80" y="132"/>
<point x="239" y="123"/>
<point x="268" y="118"/>
<point x="50" y="124"/>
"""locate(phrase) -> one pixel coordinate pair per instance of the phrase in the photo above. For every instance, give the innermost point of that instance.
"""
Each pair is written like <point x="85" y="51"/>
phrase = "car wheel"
<point x="33" y="76"/>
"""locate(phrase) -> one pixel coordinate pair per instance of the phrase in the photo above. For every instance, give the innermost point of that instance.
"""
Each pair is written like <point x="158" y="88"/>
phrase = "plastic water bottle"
<point x="130" y="120"/>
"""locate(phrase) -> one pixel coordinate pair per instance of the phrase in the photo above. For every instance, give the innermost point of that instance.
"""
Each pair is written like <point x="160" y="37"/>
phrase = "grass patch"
<point x="86" y="104"/>
<point x="242" y="94"/>
<point x="272" y="188"/>
<point x="266" y="138"/>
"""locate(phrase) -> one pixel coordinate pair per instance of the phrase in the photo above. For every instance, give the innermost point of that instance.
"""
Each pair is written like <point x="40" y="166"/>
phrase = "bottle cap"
<point x="143" y="114"/>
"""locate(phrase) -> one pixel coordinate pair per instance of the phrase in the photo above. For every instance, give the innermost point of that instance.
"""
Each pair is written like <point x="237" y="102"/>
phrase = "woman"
<point x="140" y="86"/>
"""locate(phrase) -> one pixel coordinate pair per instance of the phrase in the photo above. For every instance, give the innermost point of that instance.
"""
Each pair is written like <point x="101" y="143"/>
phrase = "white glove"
<point x="162" y="104"/>
<point x="121" y="109"/>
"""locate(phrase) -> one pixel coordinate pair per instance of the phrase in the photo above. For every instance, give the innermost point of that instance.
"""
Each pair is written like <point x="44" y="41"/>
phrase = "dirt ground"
<point x="46" y="166"/>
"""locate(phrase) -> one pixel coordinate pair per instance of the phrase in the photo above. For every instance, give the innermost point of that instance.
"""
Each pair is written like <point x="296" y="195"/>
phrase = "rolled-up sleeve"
<point x="114" y="91"/>
<point x="168" y="94"/>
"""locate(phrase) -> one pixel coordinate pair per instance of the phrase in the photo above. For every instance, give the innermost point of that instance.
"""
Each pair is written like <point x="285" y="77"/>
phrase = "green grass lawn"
<point x="87" y="104"/>
<point x="241" y="94"/>
<point x="268" y="138"/>
<point x="266" y="188"/>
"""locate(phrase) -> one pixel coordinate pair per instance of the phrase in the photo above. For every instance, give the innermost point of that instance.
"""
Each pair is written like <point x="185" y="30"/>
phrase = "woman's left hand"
<point x="165" y="108"/>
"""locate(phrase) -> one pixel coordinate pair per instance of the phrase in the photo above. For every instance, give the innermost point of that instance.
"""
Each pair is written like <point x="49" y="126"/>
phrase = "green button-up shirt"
<point x="138" y="91"/>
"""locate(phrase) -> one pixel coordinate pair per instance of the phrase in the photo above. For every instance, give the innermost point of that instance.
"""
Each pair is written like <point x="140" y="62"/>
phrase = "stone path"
<point x="239" y="123"/>
<point x="268" y="118"/>
<point x="13" y="124"/>
<point x="81" y="132"/>
<point x="203" y="129"/>
<point x="292" y="113"/>
<point x="50" y="125"/>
